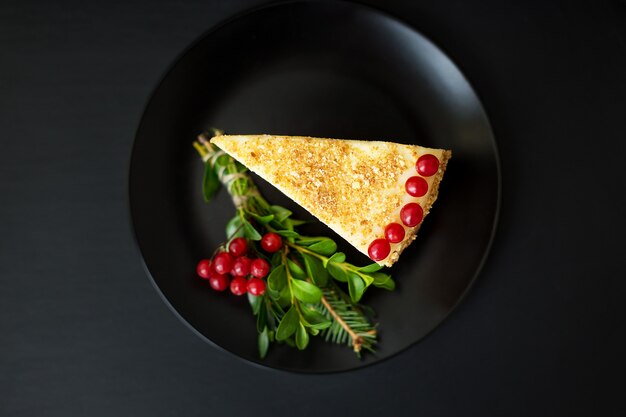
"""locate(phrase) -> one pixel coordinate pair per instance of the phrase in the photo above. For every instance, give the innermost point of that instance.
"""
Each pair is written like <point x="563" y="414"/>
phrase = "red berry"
<point x="238" y="247"/>
<point x="411" y="214"/>
<point x="259" y="268"/>
<point x="416" y="186"/>
<point x="271" y="242"/>
<point x="241" y="267"/>
<point x="256" y="286"/>
<point x="204" y="268"/>
<point x="219" y="282"/>
<point x="238" y="285"/>
<point x="222" y="263"/>
<point x="427" y="165"/>
<point x="394" y="232"/>
<point x="379" y="249"/>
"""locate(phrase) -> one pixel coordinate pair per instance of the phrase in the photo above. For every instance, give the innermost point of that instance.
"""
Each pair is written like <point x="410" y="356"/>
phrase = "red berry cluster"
<point x="412" y="213"/>
<point x="234" y="269"/>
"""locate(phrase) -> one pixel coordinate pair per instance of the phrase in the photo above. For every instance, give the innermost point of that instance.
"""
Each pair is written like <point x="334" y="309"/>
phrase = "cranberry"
<point x="204" y="268"/>
<point x="394" y="232"/>
<point x="219" y="282"/>
<point x="411" y="214"/>
<point x="427" y="165"/>
<point x="241" y="267"/>
<point x="271" y="242"/>
<point x="238" y="285"/>
<point x="238" y="247"/>
<point x="416" y="186"/>
<point x="256" y="286"/>
<point x="379" y="249"/>
<point x="222" y="263"/>
<point x="259" y="268"/>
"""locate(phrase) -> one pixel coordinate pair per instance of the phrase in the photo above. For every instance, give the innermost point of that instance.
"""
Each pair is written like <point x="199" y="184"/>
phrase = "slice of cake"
<point x="373" y="194"/>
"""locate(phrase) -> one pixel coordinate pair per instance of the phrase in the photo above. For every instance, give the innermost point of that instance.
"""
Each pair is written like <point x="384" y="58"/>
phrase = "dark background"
<point x="82" y="331"/>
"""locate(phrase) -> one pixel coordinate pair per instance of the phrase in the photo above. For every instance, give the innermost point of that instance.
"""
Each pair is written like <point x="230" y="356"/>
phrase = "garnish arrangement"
<point x="297" y="286"/>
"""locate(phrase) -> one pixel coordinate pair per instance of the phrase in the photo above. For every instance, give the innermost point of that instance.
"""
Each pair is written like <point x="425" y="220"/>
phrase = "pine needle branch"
<point x="350" y="325"/>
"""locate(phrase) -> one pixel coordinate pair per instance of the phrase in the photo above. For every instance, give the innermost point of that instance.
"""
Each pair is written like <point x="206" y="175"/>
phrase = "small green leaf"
<point x="281" y="213"/>
<point x="210" y="182"/>
<point x="276" y="259"/>
<point x="287" y="224"/>
<point x="287" y="233"/>
<point x="250" y="232"/>
<point x="371" y="268"/>
<point x="277" y="280"/>
<point x="338" y="257"/>
<point x="288" y="324"/>
<point x="261" y="318"/>
<point x="264" y="343"/>
<point x="233" y="228"/>
<point x="308" y="240"/>
<point x="315" y="319"/>
<point x="325" y="247"/>
<point x="255" y="302"/>
<point x="261" y="219"/>
<point x="383" y="281"/>
<point x="302" y="337"/>
<point x="285" y="297"/>
<point x="274" y="294"/>
<point x="315" y="270"/>
<point x="337" y="272"/>
<point x="295" y="269"/>
<point x="306" y="292"/>
<point x="367" y="278"/>
<point x="356" y="287"/>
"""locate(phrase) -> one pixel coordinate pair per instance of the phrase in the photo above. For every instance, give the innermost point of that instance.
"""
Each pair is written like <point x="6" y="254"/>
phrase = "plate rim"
<point x="130" y="217"/>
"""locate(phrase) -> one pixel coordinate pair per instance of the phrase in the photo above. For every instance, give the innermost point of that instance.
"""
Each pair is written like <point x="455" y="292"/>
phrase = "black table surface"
<point x="82" y="331"/>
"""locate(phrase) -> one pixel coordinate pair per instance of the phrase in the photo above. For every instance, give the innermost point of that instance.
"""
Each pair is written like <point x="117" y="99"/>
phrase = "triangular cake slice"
<point x="373" y="194"/>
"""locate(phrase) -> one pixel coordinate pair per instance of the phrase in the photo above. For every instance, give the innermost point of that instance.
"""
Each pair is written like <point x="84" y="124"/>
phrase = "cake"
<point x="374" y="194"/>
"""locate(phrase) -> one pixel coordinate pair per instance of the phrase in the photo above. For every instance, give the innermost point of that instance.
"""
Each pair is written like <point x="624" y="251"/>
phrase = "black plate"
<point x="320" y="69"/>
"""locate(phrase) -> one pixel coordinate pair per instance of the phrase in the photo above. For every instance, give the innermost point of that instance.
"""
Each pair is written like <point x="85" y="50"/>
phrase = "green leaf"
<point x="255" y="302"/>
<point x="288" y="324"/>
<point x="261" y="318"/>
<point x="277" y="280"/>
<point x="325" y="247"/>
<point x="261" y="219"/>
<point x="273" y="294"/>
<point x="295" y="269"/>
<point x="264" y="343"/>
<point x="210" y="182"/>
<point x="233" y="228"/>
<point x="276" y="259"/>
<point x="315" y="319"/>
<point x="371" y="268"/>
<point x="356" y="287"/>
<point x="281" y="213"/>
<point x="383" y="281"/>
<point x="296" y="222"/>
<point x="367" y="278"/>
<point x="250" y="232"/>
<point x="337" y="272"/>
<point x="302" y="337"/>
<point x="338" y="257"/>
<point x="305" y="291"/>
<point x="287" y="233"/>
<point x="315" y="270"/>
<point x="285" y="297"/>
<point x="308" y="240"/>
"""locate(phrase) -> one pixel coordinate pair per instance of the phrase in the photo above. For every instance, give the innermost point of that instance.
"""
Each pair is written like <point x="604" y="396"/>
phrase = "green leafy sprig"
<point x="304" y="295"/>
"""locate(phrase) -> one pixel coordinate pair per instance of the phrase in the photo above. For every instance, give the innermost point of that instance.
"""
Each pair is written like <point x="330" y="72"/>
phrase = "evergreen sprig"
<point x="303" y="296"/>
